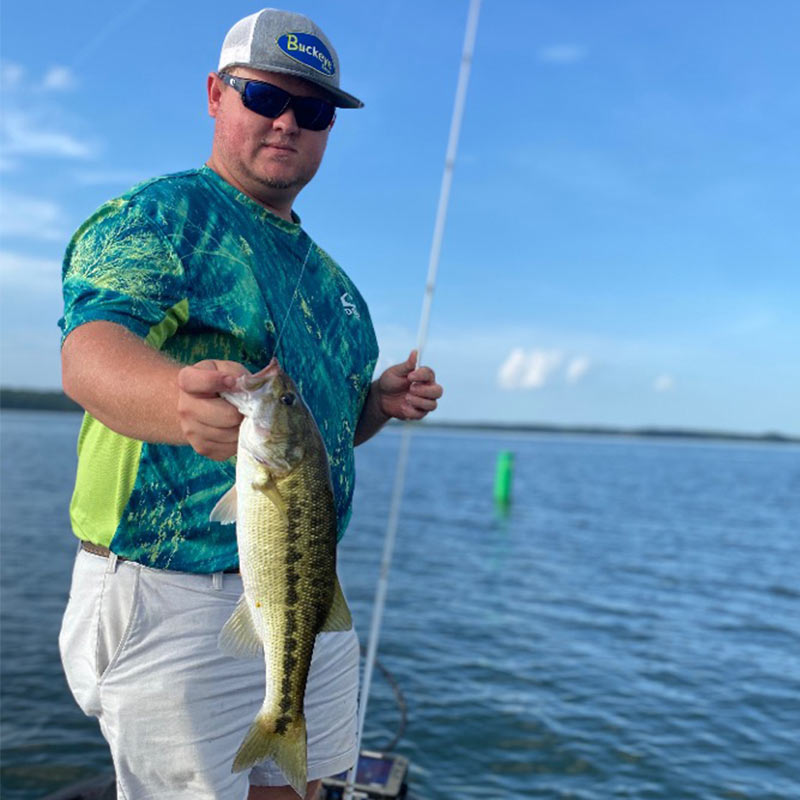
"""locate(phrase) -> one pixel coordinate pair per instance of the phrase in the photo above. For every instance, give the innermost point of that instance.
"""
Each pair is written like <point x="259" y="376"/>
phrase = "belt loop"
<point x="216" y="581"/>
<point x="112" y="563"/>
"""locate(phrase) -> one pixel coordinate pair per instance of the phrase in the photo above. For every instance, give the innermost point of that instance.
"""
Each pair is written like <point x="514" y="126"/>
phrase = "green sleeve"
<point x="120" y="267"/>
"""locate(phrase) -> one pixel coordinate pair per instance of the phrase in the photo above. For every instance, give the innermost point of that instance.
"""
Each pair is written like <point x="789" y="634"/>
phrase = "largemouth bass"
<point x="283" y="506"/>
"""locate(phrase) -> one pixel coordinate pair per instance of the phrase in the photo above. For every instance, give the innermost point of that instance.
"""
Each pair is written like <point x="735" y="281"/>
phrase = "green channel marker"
<point x="503" y="478"/>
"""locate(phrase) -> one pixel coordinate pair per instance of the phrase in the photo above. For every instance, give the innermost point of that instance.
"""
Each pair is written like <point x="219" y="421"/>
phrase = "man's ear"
<point x="214" y="87"/>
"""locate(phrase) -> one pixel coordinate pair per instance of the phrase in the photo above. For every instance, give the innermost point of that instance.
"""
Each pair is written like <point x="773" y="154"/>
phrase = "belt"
<point x="99" y="550"/>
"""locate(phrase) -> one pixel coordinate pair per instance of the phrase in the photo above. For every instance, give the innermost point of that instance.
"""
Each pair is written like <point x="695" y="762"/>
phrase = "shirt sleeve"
<point x="120" y="267"/>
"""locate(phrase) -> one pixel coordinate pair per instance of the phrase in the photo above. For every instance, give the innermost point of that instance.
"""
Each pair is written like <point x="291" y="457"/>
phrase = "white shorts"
<point x="139" y="648"/>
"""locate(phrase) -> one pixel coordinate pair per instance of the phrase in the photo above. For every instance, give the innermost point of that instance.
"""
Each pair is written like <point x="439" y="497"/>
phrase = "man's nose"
<point x="286" y="122"/>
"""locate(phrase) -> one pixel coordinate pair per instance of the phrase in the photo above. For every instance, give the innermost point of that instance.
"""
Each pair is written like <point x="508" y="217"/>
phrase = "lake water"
<point x="630" y="629"/>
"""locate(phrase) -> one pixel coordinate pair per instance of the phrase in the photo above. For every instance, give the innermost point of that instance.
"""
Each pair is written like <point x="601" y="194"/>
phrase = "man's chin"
<point x="282" y="179"/>
<point x="272" y="182"/>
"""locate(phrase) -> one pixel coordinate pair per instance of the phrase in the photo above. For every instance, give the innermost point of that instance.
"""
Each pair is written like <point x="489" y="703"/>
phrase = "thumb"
<point x="204" y="378"/>
<point x="409" y="365"/>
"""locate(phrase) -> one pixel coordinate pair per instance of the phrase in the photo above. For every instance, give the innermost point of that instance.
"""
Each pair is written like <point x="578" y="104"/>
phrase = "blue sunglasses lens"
<point x="271" y="101"/>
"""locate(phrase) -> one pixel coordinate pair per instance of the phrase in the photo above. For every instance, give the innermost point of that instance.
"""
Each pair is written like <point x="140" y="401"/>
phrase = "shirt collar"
<point x="259" y="210"/>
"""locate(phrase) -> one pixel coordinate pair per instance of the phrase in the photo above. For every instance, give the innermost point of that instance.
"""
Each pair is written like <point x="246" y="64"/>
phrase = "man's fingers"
<point x="422" y="375"/>
<point x="430" y="390"/>
<point x="409" y="412"/>
<point x="408" y="366"/>
<point x="420" y="403"/>
<point x="214" y="450"/>
<point x="201" y="379"/>
<point x="219" y="413"/>
<point x="209" y="433"/>
<point x="211" y="410"/>
<point x="215" y="443"/>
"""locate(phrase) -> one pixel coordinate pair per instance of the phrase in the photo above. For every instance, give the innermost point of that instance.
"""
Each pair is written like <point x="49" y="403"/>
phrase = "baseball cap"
<point x="281" y="41"/>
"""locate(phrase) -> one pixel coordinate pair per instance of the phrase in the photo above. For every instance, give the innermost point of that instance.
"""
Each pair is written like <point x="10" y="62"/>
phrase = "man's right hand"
<point x="209" y="422"/>
<point x="137" y="391"/>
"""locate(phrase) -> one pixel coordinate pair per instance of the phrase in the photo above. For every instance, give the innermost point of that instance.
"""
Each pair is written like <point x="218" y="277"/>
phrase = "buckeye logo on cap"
<point x="308" y="50"/>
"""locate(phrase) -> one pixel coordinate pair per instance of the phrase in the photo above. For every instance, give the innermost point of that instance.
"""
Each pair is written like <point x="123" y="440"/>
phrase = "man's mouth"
<point x="280" y="146"/>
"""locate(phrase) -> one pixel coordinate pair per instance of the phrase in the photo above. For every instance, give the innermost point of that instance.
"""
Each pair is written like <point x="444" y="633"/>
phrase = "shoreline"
<point x="44" y="400"/>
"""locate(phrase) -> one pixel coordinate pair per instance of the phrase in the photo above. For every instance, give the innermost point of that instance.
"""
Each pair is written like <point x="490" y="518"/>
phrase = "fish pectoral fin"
<point x="339" y="618"/>
<point x="268" y="487"/>
<point x="225" y="510"/>
<point x="238" y="637"/>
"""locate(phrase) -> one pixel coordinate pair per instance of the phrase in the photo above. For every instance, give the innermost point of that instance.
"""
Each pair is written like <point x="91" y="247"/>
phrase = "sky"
<point x="622" y="244"/>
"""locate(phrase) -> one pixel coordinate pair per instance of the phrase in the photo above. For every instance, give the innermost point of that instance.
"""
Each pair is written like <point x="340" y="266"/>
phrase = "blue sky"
<point x="622" y="244"/>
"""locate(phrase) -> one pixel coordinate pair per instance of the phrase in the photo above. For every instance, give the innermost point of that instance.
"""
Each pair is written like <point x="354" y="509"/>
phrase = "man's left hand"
<point x="408" y="392"/>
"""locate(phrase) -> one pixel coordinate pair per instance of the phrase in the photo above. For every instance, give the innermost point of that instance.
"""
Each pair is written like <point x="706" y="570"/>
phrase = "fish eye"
<point x="287" y="399"/>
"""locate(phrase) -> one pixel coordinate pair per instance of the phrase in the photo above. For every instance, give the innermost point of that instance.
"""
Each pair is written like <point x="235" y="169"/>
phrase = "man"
<point x="171" y="291"/>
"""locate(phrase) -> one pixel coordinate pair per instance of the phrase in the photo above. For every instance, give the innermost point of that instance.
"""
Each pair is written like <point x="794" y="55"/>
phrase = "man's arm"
<point x="139" y="392"/>
<point x="402" y="392"/>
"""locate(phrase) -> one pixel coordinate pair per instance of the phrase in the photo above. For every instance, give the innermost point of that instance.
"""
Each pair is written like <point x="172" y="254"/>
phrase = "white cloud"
<point x="511" y="368"/>
<point x="32" y="125"/>
<point x="59" y="79"/>
<point x="527" y="370"/>
<point x="562" y="54"/>
<point x="11" y="75"/>
<point x="24" y="133"/>
<point x="30" y="218"/>
<point x="18" y="269"/>
<point x="664" y="383"/>
<point x="576" y="368"/>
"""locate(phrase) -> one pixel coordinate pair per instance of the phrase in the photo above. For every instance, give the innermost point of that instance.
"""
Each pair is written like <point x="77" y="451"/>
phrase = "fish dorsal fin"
<point x="265" y="484"/>
<point x="339" y="618"/>
<point x="238" y="637"/>
<point x="225" y="510"/>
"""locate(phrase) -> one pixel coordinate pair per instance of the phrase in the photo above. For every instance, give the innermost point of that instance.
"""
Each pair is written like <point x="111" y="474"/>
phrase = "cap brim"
<point x="344" y="100"/>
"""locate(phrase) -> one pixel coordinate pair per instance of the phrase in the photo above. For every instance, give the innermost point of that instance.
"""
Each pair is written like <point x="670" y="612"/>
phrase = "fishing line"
<point x="189" y="223"/>
<point x="291" y="302"/>
<point x="402" y="459"/>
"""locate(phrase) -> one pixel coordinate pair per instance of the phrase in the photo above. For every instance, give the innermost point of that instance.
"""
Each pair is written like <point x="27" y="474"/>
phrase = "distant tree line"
<point x="600" y="430"/>
<point x="57" y="401"/>
<point x="36" y="400"/>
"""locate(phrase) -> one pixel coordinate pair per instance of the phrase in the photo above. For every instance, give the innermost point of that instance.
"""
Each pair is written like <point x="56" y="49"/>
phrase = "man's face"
<point x="266" y="157"/>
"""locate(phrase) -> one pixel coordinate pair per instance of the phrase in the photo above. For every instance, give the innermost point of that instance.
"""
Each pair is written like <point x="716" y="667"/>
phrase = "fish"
<point x="286" y="531"/>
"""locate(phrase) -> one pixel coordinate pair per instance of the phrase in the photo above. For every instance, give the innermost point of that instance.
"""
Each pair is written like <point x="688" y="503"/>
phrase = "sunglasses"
<point x="271" y="101"/>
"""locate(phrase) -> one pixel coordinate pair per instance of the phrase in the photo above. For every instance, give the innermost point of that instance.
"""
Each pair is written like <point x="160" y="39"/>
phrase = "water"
<point x="631" y="629"/>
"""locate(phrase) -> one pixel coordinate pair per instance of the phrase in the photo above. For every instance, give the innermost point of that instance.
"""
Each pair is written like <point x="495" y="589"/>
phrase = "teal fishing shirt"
<point x="199" y="270"/>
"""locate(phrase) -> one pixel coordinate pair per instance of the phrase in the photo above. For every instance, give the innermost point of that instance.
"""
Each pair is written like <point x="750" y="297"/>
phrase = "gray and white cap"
<point x="280" y="41"/>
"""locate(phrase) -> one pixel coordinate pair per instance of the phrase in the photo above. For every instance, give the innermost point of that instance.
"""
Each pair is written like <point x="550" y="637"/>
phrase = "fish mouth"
<point x="250" y="383"/>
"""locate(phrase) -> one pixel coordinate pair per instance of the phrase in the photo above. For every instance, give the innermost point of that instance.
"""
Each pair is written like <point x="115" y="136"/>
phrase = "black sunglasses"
<point x="271" y="101"/>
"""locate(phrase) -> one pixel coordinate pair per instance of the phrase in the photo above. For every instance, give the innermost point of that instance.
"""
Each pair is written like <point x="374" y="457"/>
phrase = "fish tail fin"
<point x="287" y="748"/>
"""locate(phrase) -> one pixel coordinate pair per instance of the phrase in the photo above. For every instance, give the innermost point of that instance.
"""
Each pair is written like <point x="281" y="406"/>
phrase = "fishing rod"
<point x="402" y="458"/>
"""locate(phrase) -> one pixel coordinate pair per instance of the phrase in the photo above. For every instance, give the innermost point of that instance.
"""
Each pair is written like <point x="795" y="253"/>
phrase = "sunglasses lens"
<point x="313" y="113"/>
<point x="271" y="101"/>
<point x="265" y="99"/>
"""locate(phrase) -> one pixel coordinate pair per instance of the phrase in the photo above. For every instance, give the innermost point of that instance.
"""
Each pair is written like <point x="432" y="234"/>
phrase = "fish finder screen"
<point x="371" y="770"/>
